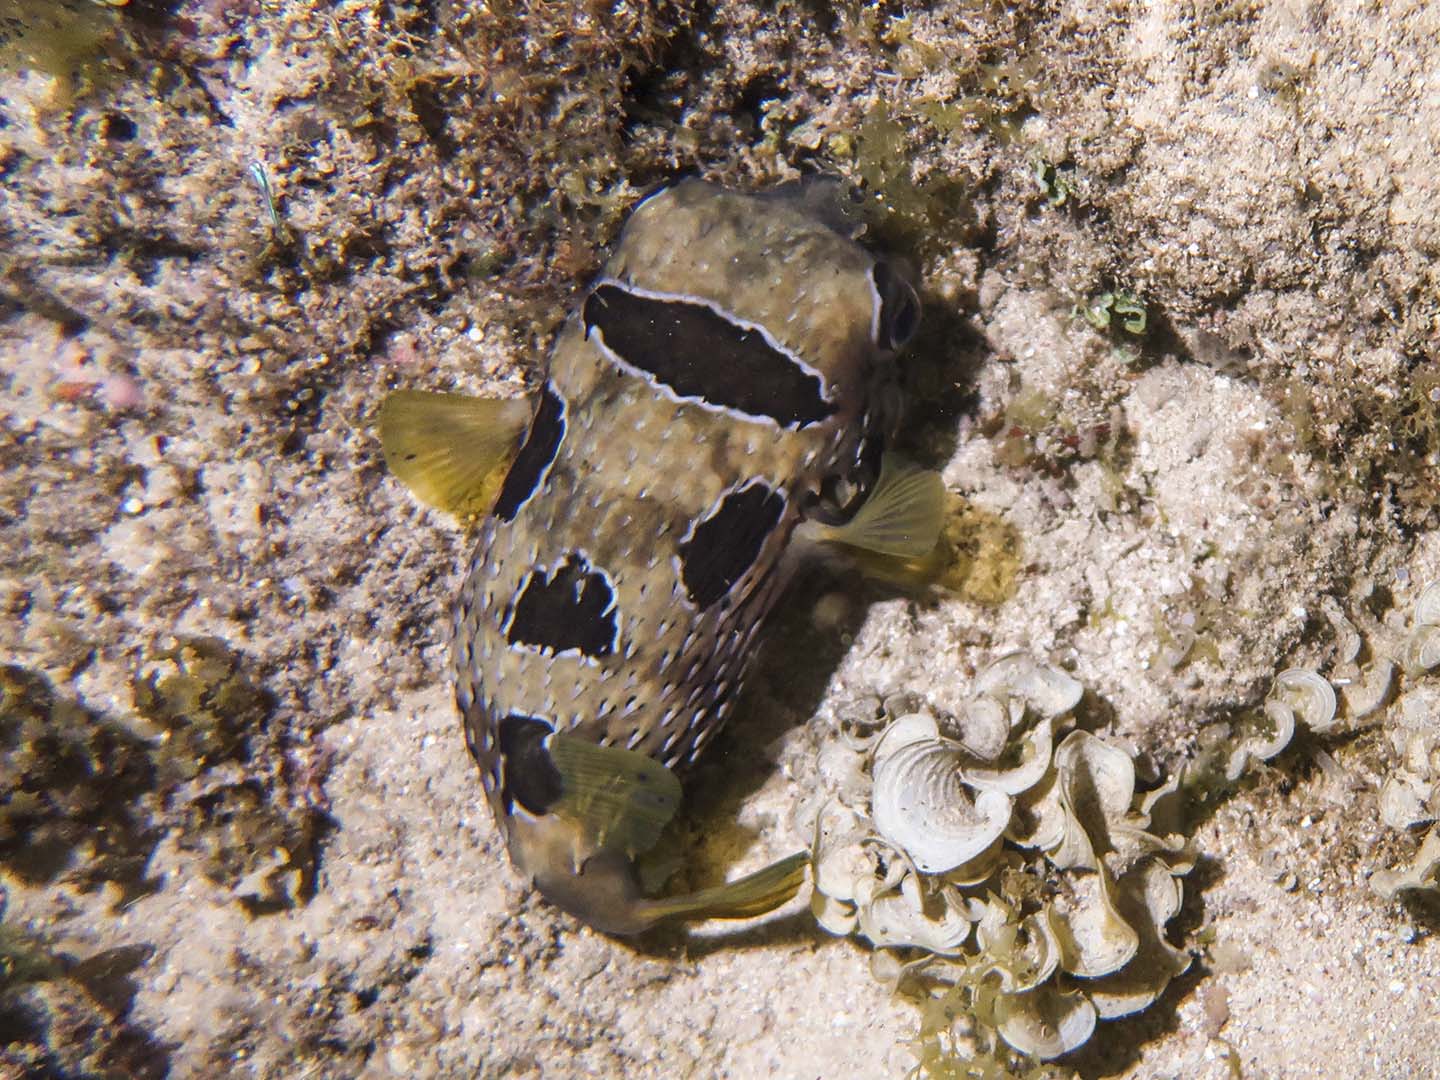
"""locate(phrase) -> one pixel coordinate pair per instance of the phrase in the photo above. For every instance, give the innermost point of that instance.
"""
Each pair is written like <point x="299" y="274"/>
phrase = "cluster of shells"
<point x="1410" y="797"/>
<point x="1004" y="866"/>
<point x="1296" y="695"/>
<point x="1300" y="696"/>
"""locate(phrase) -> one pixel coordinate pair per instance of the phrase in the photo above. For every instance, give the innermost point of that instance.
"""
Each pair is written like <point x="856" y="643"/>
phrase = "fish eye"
<point x="899" y="314"/>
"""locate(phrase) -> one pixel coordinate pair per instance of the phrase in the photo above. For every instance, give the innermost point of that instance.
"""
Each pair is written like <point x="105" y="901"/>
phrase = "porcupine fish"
<point x="719" y="404"/>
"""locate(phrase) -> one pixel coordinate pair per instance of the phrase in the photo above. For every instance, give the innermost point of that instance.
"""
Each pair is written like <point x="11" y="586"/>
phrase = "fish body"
<point x="728" y="379"/>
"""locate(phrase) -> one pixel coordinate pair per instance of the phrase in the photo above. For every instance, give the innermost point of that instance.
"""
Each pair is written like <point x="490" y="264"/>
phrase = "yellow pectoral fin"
<point x="619" y="799"/>
<point x="902" y="516"/>
<point x="452" y="450"/>
<point x="977" y="558"/>
<point x="752" y="895"/>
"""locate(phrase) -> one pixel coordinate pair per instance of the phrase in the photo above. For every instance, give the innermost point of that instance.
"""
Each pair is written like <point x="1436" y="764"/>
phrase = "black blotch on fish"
<point x="530" y="777"/>
<point x="702" y="355"/>
<point x="542" y="443"/>
<point x="722" y="547"/>
<point x="899" y="307"/>
<point x="573" y="608"/>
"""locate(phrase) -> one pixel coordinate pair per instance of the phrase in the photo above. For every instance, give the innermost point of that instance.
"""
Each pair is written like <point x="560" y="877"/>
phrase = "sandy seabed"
<point x="187" y="452"/>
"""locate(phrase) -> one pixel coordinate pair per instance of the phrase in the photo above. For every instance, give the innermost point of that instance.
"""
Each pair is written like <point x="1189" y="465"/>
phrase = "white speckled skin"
<point x="637" y="468"/>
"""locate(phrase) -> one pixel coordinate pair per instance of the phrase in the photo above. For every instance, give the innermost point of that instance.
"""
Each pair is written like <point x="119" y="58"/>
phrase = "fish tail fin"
<point x="611" y="807"/>
<point x="754" y="894"/>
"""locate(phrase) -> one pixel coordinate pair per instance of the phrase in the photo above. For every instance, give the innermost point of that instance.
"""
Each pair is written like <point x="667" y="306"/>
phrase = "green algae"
<point x="86" y="798"/>
<point x="71" y="785"/>
<point x="62" y="1017"/>
<point x="205" y="707"/>
<point x="77" y="43"/>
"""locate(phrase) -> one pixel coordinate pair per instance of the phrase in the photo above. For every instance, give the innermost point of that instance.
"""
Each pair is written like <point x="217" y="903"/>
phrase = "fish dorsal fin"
<point x="751" y="895"/>
<point x="452" y="450"/>
<point x="902" y="516"/>
<point x="620" y="799"/>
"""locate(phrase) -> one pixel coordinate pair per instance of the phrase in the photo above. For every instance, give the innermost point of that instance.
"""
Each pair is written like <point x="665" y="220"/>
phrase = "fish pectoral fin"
<point x="902" y="516"/>
<point x="452" y="450"/>
<point x="754" y="894"/>
<point x="620" y="799"/>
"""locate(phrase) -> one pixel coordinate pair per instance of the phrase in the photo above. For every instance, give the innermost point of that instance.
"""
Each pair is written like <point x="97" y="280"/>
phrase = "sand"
<point x="187" y="452"/>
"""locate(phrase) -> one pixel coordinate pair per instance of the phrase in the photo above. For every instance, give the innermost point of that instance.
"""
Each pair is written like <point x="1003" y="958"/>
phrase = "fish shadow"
<point x="800" y="653"/>
<point x="792" y="675"/>
<point x="797" y="662"/>
<point x="676" y="941"/>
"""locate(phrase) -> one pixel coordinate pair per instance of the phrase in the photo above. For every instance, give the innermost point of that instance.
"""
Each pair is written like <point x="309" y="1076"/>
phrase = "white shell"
<point x="1094" y="940"/>
<point x="1367" y="694"/>
<point x="921" y="805"/>
<point x="1045" y="1023"/>
<point x="838" y="860"/>
<point x="1422" y="874"/>
<point x="1402" y="802"/>
<point x="1076" y="849"/>
<point x="1153" y="884"/>
<point x="1049" y="691"/>
<point x="1427" y="606"/>
<point x="1096" y="783"/>
<point x="1131" y="838"/>
<point x="1133" y="989"/>
<point x="975" y="871"/>
<point x="1096" y="774"/>
<point x="890" y="971"/>
<point x="1309" y="694"/>
<point x="842" y="770"/>
<point x="984" y="727"/>
<point x="886" y="969"/>
<point x="1024" y="954"/>
<point x="1282" y="721"/>
<point x="836" y="917"/>
<point x="1421" y="650"/>
<point x="910" y="919"/>
<point x="1163" y="808"/>
<point x="1263" y="745"/>
<point x="904" y="730"/>
<point x="1030" y="766"/>
<point x="1039" y="818"/>
<point x="1149" y="896"/>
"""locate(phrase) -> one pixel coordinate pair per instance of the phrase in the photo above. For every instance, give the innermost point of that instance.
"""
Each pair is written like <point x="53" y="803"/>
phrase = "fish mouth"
<point x="843" y="492"/>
